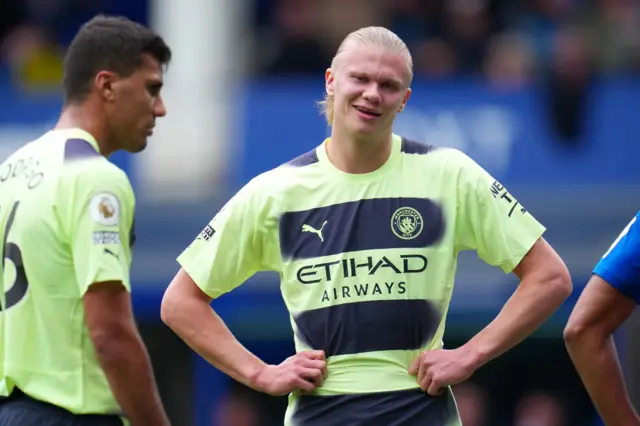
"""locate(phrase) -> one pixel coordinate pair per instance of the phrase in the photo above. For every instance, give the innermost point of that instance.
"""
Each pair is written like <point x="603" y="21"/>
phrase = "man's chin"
<point x="364" y="129"/>
<point x="139" y="147"/>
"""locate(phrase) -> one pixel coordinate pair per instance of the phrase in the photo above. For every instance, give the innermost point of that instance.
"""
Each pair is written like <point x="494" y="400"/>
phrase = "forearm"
<point x="528" y="308"/>
<point x="206" y="333"/>
<point x="596" y="360"/>
<point x="126" y="364"/>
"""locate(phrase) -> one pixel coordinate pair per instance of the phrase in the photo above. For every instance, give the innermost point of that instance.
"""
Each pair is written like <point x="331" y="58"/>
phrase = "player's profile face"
<point x="137" y="105"/>
<point x="370" y="86"/>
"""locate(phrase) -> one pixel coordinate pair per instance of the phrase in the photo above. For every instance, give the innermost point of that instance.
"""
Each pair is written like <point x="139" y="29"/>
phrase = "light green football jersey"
<point x="66" y="221"/>
<point x="367" y="265"/>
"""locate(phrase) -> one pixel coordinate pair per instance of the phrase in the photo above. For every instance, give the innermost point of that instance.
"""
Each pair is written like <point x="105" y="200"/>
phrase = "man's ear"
<point x="328" y="82"/>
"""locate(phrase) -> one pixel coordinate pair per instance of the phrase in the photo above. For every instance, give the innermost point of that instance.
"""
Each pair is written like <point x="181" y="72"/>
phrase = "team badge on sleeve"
<point x="105" y="209"/>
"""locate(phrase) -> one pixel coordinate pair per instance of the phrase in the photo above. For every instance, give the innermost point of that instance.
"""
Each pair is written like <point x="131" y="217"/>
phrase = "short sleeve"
<point x="99" y="217"/>
<point x="620" y="265"/>
<point x="232" y="247"/>
<point x="490" y="220"/>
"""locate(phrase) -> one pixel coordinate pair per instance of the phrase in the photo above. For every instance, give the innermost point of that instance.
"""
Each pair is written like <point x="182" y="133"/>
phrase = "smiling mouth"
<point x="367" y="112"/>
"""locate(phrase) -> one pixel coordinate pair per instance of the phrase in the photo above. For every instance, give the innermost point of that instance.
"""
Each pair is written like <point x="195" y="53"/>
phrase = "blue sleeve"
<point x="620" y="265"/>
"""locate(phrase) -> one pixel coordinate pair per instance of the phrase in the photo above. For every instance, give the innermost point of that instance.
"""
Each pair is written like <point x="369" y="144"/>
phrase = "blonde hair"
<point x="379" y="37"/>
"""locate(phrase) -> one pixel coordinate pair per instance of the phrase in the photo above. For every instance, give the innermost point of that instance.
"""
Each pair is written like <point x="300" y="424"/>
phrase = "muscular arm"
<point x="122" y="354"/>
<point x="600" y="311"/>
<point x="186" y="310"/>
<point x="544" y="285"/>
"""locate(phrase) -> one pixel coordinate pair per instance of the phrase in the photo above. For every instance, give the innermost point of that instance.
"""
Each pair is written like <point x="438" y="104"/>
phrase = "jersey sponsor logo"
<point x="346" y="292"/>
<point x="363" y="271"/>
<point x="318" y="232"/>
<point x="105" y="209"/>
<point x="406" y="223"/>
<point x="106" y="237"/>
<point x="354" y="267"/>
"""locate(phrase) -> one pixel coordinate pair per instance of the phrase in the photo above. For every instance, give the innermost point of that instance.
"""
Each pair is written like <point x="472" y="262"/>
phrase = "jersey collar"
<point x="78" y="133"/>
<point x="323" y="158"/>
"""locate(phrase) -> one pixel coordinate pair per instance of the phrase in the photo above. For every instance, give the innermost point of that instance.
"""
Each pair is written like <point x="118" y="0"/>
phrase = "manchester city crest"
<point x="406" y="223"/>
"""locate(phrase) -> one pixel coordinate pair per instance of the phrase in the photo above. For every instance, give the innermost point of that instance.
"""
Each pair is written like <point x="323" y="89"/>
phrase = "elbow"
<point x="557" y="283"/>
<point x="168" y="310"/>
<point x="562" y="284"/>
<point x="109" y="338"/>
<point x="579" y="334"/>
<point x="175" y="308"/>
<point x="182" y="301"/>
<point x="574" y="332"/>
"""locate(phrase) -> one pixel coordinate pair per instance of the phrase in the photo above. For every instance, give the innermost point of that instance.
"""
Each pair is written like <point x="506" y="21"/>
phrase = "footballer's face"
<point x="136" y="105"/>
<point x="369" y="86"/>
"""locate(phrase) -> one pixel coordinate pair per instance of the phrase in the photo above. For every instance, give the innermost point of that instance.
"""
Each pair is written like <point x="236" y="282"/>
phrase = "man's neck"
<point x="358" y="156"/>
<point x="82" y="117"/>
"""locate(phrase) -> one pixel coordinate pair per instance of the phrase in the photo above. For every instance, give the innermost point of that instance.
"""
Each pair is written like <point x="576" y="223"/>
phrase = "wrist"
<point x="255" y="377"/>
<point x="474" y="355"/>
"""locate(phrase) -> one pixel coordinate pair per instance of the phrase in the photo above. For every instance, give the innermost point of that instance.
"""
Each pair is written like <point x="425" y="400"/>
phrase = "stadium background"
<point x="545" y="94"/>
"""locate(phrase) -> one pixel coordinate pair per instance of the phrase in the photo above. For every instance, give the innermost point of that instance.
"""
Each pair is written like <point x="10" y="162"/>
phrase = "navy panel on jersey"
<point x="401" y="408"/>
<point x="371" y="224"/>
<point x="412" y="147"/>
<point x="77" y="149"/>
<point x="382" y="325"/>
<point x="306" y="159"/>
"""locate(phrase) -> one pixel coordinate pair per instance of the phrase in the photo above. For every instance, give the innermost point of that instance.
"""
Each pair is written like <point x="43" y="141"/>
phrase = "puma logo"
<point x="107" y="251"/>
<point x="308" y="228"/>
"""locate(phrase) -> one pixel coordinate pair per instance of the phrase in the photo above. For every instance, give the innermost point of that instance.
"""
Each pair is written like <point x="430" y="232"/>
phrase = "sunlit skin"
<point x="120" y="112"/>
<point x="134" y="103"/>
<point x="369" y="86"/>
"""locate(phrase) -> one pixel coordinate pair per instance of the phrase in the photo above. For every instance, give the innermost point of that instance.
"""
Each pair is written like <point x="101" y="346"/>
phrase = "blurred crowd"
<point x="507" y="42"/>
<point x="563" y="47"/>
<point x="34" y="34"/>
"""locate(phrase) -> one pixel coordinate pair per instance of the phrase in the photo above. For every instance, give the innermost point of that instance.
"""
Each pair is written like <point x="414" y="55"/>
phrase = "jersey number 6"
<point x="11" y="252"/>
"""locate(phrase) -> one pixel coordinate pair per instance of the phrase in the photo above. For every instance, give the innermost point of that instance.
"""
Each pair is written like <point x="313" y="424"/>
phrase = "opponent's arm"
<point x="122" y="354"/>
<point x="600" y="311"/>
<point x="545" y="283"/>
<point x="186" y="310"/>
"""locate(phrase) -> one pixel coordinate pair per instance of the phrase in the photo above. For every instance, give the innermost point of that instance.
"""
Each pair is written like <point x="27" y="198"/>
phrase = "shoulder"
<point x="304" y="160"/>
<point x="282" y="176"/>
<point x="450" y="160"/>
<point x="413" y="147"/>
<point x="96" y="171"/>
<point x="96" y="178"/>
<point x="266" y="191"/>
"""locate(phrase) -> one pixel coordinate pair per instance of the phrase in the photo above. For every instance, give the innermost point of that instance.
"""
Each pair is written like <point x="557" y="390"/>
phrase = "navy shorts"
<point x="22" y="410"/>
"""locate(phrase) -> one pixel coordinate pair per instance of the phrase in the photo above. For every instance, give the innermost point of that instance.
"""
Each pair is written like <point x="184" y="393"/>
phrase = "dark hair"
<point x="108" y="43"/>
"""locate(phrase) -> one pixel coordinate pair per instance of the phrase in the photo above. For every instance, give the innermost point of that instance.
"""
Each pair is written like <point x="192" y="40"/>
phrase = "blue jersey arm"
<point x="620" y="266"/>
